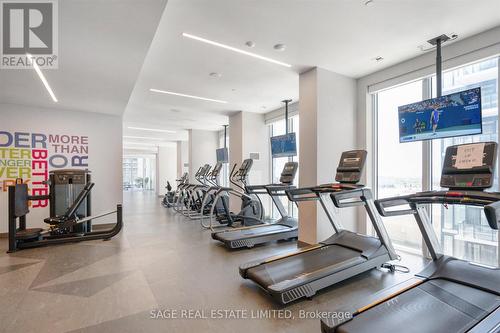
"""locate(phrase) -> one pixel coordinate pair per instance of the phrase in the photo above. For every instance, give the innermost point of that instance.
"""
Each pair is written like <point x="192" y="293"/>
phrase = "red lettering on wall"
<point x="40" y="174"/>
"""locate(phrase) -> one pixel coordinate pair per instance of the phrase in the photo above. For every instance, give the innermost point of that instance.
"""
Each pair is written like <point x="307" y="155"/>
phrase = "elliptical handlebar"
<point x="232" y="177"/>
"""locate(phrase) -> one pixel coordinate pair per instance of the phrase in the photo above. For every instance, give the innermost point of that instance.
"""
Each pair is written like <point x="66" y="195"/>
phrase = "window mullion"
<point x="426" y="159"/>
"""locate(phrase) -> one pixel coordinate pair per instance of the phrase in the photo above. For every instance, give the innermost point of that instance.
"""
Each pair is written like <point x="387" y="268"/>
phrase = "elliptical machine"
<point x="170" y="198"/>
<point x="252" y="210"/>
<point x="204" y="193"/>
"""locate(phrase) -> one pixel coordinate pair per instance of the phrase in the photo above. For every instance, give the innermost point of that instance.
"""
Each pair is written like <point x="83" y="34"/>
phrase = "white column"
<point x="202" y="147"/>
<point x="248" y="134"/>
<point x="182" y="157"/>
<point x="327" y="128"/>
<point x="167" y="167"/>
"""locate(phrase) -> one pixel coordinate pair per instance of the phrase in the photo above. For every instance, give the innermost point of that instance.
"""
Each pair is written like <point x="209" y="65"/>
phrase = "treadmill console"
<point x="469" y="166"/>
<point x="289" y="172"/>
<point x="351" y="166"/>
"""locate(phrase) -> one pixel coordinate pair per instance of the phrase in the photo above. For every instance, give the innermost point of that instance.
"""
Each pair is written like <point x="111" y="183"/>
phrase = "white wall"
<point x="308" y="212"/>
<point x="459" y="53"/>
<point x="327" y="108"/>
<point x="202" y="147"/>
<point x="255" y="139"/>
<point x="167" y="167"/>
<point x="248" y="133"/>
<point x="235" y="151"/>
<point x="104" y="150"/>
<point x="182" y="157"/>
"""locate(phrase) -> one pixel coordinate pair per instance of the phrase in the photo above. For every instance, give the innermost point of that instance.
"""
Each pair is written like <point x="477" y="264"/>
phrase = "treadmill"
<point x="450" y="295"/>
<point x="345" y="254"/>
<point x="284" y="228"/>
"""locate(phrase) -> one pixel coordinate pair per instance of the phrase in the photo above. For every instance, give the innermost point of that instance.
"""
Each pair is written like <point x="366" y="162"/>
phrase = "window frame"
<point x="426" y="145"/>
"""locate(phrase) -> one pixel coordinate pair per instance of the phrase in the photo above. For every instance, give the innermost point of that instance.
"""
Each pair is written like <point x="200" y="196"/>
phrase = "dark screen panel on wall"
<point x="222" y="155"/>
<point x="451" y="115"/>
<point x="284" y="145"/>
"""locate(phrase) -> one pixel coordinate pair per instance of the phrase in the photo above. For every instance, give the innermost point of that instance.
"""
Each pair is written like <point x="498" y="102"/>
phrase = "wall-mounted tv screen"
<point x="455" y="114"/>
<point x="284" y="145"/>
<point x="222" y="155"/>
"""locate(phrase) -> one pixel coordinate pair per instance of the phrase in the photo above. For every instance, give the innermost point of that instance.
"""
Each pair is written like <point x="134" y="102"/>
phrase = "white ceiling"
<point x="110" y="55"/>
<point x="102" y="46"/>
<point x="339" y="35"/>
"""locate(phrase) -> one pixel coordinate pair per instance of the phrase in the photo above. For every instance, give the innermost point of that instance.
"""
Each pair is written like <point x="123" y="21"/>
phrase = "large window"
<point x="399" y="166"/>
<point x="277" y="164"/>
<point x="139" y="172"/>
<point x="464" y="231"/>
<point x="409" y="167"/>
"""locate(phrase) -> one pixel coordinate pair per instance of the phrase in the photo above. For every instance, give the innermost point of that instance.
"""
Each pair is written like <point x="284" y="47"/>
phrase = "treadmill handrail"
<point x="383" y="204"/>
<point x="312" y="193"/>
<point x="490" y="202"/>
<point x="350" y="198"/>
<point x="302" y="194"/>
<point x="256" y="189"/>
<point x="278" y="189"/>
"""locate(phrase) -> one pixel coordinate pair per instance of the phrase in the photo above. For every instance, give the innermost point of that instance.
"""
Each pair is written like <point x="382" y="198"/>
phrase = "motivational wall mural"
<point x="31" y="156"/>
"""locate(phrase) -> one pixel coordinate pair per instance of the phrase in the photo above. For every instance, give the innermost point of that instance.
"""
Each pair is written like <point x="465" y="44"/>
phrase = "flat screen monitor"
<point x="455" y="114"/>
<point x="222" y="155"/>
<point x="284" y="145"/>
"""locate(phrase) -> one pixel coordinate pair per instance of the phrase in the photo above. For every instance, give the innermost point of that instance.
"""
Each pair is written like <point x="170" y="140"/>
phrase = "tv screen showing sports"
<point x="284" y="145"/>
<point x="455" y="114"/>
<point x="222" y="155"/>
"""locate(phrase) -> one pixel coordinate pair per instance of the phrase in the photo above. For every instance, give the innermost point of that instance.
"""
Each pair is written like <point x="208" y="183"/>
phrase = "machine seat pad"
<point x="30" y="233"/>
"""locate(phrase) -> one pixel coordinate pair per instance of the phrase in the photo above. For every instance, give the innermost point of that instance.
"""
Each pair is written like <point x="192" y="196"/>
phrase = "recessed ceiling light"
<point x="215" y="74"/>
<point x="142" y="137"/>
<point x="280" y="47"/>
<point x="42" y="77"/>
<point x="186" y="95"/>
<point x="151" y="129"/>
<point x="250" y="44"/>
<point x="234" y="49"/>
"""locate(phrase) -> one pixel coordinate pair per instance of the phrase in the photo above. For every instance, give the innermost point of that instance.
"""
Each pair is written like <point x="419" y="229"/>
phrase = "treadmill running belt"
<point x="310" y="261"/>
<point x="439" y="306"/>
<point x="251" y="232"/>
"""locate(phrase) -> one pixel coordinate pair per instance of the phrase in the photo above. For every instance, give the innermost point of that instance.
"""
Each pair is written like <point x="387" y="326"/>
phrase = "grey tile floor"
<point x="161" y="261"/>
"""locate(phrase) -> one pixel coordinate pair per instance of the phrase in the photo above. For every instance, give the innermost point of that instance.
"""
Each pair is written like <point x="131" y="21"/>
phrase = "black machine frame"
<point x="18" y="208"/>
<point x="468" y="276"/>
